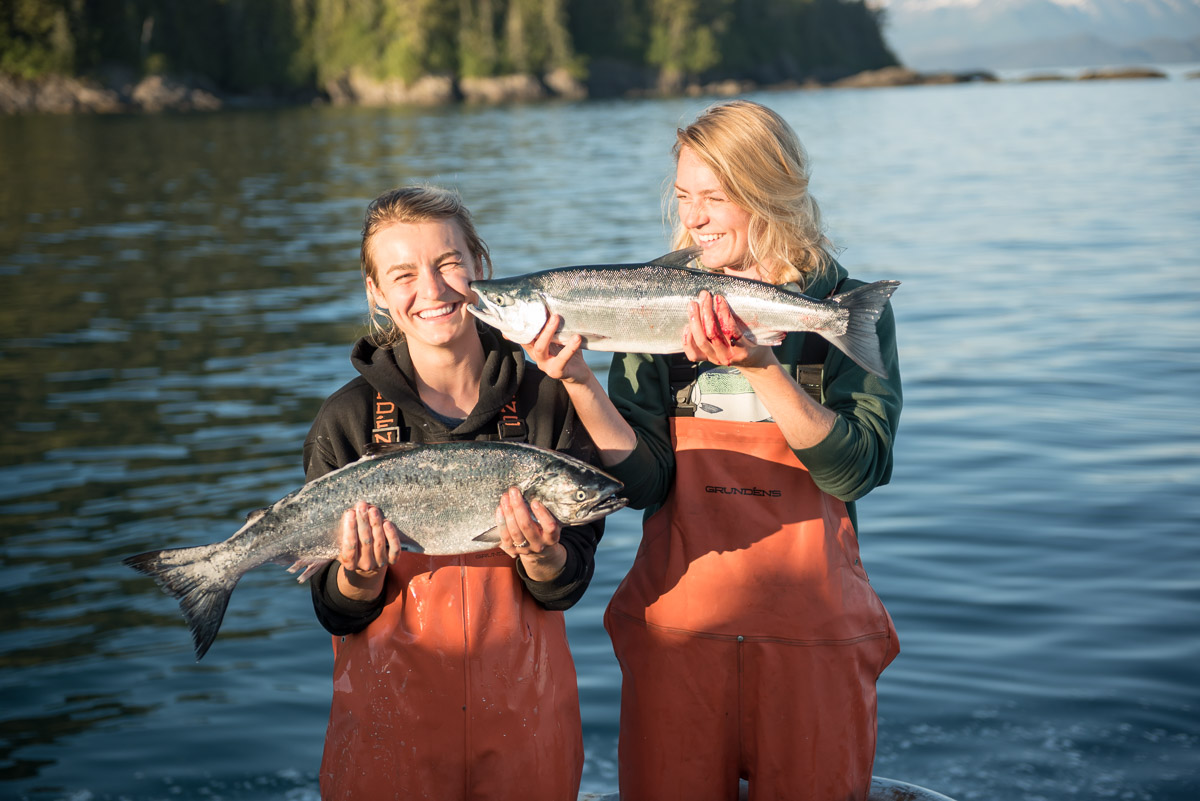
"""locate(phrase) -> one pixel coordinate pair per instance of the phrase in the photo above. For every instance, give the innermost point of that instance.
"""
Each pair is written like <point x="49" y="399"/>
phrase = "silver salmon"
<point x="442" y="497"/>
<point x="643" y="308"/>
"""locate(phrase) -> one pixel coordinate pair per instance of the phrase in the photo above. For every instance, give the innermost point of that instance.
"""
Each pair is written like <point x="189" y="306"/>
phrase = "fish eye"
<point x="499" y="300"/>
<point x="580" y="495"/>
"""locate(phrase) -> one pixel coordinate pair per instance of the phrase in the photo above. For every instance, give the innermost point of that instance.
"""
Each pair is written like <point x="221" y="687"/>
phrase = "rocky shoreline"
<point x="124" y="94"/>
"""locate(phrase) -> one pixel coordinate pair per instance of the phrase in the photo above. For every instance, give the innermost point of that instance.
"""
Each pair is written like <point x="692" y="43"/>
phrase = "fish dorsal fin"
<point x="678" y="258"/>
<point x="377" y="449"/>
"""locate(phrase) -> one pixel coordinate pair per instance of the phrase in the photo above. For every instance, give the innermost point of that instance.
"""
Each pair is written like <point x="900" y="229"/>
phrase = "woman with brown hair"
<point x="452" y="675"/>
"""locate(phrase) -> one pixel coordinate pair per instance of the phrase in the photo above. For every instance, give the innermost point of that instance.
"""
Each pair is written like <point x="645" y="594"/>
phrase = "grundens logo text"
<point x="744" y="491"/>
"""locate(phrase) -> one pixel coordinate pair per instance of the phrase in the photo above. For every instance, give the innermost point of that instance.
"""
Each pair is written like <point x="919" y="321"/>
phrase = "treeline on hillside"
<point x="299" y="46"/>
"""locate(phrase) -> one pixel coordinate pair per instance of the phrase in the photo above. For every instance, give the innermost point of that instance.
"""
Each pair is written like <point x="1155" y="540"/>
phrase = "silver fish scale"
<point x="442" y="497"/>
<point x="411" y="488"/>
<point x="649" y="304"/>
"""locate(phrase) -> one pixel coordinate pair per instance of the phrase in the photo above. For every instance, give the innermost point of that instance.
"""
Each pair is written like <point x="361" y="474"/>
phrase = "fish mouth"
<point x="604" y="507"/>
<point x="482" y="308"/>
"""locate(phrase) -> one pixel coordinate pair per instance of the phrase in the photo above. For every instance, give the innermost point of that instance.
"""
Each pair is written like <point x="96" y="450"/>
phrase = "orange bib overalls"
<point x="463" y="688"/>
<point x="748" y="635"/>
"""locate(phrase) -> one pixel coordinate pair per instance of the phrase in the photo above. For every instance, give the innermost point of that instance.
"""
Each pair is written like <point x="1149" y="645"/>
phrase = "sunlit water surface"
<point x="180" y="293"/>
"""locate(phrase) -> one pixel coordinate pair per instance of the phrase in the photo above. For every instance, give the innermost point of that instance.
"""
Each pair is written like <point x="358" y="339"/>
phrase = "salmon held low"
<point x="442" y="497"/>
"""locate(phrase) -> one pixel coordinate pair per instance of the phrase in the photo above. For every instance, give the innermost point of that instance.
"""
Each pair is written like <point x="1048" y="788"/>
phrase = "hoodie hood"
<point x="390" y="371"/>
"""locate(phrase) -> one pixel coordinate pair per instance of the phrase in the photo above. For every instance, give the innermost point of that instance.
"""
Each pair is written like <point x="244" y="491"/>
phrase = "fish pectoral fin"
<point x="678" y="258"/>
<point x="589" y="337"/>
<point x="491" y="535"/>
<point x="309" y="567"/>
<point x="770" y="338"/>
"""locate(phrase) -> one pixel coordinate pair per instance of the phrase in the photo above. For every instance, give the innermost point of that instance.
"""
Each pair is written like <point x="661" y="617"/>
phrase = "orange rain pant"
<point x="462" y="689"/>
<point x="748" y="635"/>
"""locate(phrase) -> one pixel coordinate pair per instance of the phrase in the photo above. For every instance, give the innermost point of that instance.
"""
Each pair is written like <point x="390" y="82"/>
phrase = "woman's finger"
<point x="542" y="346"/>
<point x="526" y="531"/>
<point x="502" y="528"/>
<point x="379" y="544"/>
<point x="701" y="325"/>
<point x="365" y="542"/>
<point x="706" y="315"/>
<point x="348" y="541"/>
<point x="548" y="527"/>
<point x="394" y="544"/>
<point x="566" y="353"/>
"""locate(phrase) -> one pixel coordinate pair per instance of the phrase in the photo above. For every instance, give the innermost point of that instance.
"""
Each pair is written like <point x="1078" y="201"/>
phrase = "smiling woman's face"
<point x="421" y="275"/>
<point x="716" y="223"/>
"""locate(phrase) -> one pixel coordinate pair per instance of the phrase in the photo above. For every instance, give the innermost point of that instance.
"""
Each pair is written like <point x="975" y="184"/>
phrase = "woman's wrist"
<point x="546" y="565"/>
<point x="361" y="586"/>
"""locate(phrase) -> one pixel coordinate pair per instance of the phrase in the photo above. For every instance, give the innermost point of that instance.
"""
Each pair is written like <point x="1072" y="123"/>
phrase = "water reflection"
<point x="182" y="291"/>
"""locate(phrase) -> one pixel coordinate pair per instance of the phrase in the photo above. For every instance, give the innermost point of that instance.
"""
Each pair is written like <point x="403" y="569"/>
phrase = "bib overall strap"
<point x="387" y="422"/>
<point x="810" y="372"/>
<point x="682" y="376"/>
<point x="511" y="426"/>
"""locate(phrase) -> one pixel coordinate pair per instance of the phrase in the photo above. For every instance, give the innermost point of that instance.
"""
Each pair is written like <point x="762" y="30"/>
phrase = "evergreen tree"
<point x="285" y="45"/>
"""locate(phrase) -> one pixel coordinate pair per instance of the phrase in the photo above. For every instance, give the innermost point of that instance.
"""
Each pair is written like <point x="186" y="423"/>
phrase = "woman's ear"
<point x="374" y="297"/>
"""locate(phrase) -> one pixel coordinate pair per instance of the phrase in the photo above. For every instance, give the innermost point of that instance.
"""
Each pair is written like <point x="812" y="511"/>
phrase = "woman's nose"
<point x="692" y="215"/>
<point x="430" y="284"/>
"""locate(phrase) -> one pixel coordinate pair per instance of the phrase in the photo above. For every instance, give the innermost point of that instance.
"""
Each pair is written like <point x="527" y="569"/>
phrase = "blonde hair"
<point x="762" y="166"/>
<point x="413" y="204"/>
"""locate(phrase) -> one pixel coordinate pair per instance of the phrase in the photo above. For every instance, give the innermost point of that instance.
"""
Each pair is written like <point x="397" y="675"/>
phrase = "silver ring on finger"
<point x="524" y="544"/>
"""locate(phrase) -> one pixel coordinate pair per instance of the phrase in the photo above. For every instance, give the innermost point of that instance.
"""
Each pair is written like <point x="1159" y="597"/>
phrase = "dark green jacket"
<point x="855" y="458"/>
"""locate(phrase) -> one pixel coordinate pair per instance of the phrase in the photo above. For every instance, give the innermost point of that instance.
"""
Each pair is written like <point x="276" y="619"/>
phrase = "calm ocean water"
<point x="180" y="293"/>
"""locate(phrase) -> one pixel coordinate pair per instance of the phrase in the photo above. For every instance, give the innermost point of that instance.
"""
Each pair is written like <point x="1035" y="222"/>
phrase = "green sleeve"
<point x="639" y="385"/>
<point x="856" y="456"/>
<point x="853" y="459"/>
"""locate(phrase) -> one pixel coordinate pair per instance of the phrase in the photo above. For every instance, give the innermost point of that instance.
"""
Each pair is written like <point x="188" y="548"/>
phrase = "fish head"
<point x="575" y="492"/>
<point x="512" y="306"/>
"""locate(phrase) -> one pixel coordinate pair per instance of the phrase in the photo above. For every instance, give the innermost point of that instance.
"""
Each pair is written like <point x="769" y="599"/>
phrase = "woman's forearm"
<point x="613" y="437"/>
<point x="803" y="422"/>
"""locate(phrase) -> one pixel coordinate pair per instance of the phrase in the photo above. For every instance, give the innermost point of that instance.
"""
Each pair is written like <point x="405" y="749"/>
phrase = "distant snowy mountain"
<point x="957" y="34"/>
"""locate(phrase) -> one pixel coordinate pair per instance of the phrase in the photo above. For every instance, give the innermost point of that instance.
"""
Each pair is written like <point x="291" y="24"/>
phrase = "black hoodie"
<point x="342" y="430"/>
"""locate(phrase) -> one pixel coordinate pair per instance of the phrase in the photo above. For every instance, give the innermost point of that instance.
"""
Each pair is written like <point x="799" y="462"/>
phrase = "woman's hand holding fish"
<point x="562" y="362"/>
<point x="528" y="531"/>
<point x="715" y="334"/>
<point x="368" y="544"/>
<point x="613" y="437"/>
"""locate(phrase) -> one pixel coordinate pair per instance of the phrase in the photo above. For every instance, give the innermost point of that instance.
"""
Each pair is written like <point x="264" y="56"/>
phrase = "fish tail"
<point x="186" y="574"/>
<point x="861" y="341"/>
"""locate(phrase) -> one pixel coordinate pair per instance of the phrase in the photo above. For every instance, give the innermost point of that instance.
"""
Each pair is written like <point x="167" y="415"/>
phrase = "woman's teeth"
<point x="433" y="314"/>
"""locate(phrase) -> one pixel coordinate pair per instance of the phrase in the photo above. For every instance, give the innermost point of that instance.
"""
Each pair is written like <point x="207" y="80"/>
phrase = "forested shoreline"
<point x="210" y="53"/>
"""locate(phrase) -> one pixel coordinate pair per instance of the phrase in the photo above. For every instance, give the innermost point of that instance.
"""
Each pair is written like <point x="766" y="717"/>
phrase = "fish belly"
<point x="657" y="324"/>
<point x="440" y="505"/>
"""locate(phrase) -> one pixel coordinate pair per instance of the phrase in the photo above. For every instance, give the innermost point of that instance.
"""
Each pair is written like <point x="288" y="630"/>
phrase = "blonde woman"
<point x="748" y="635"/>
